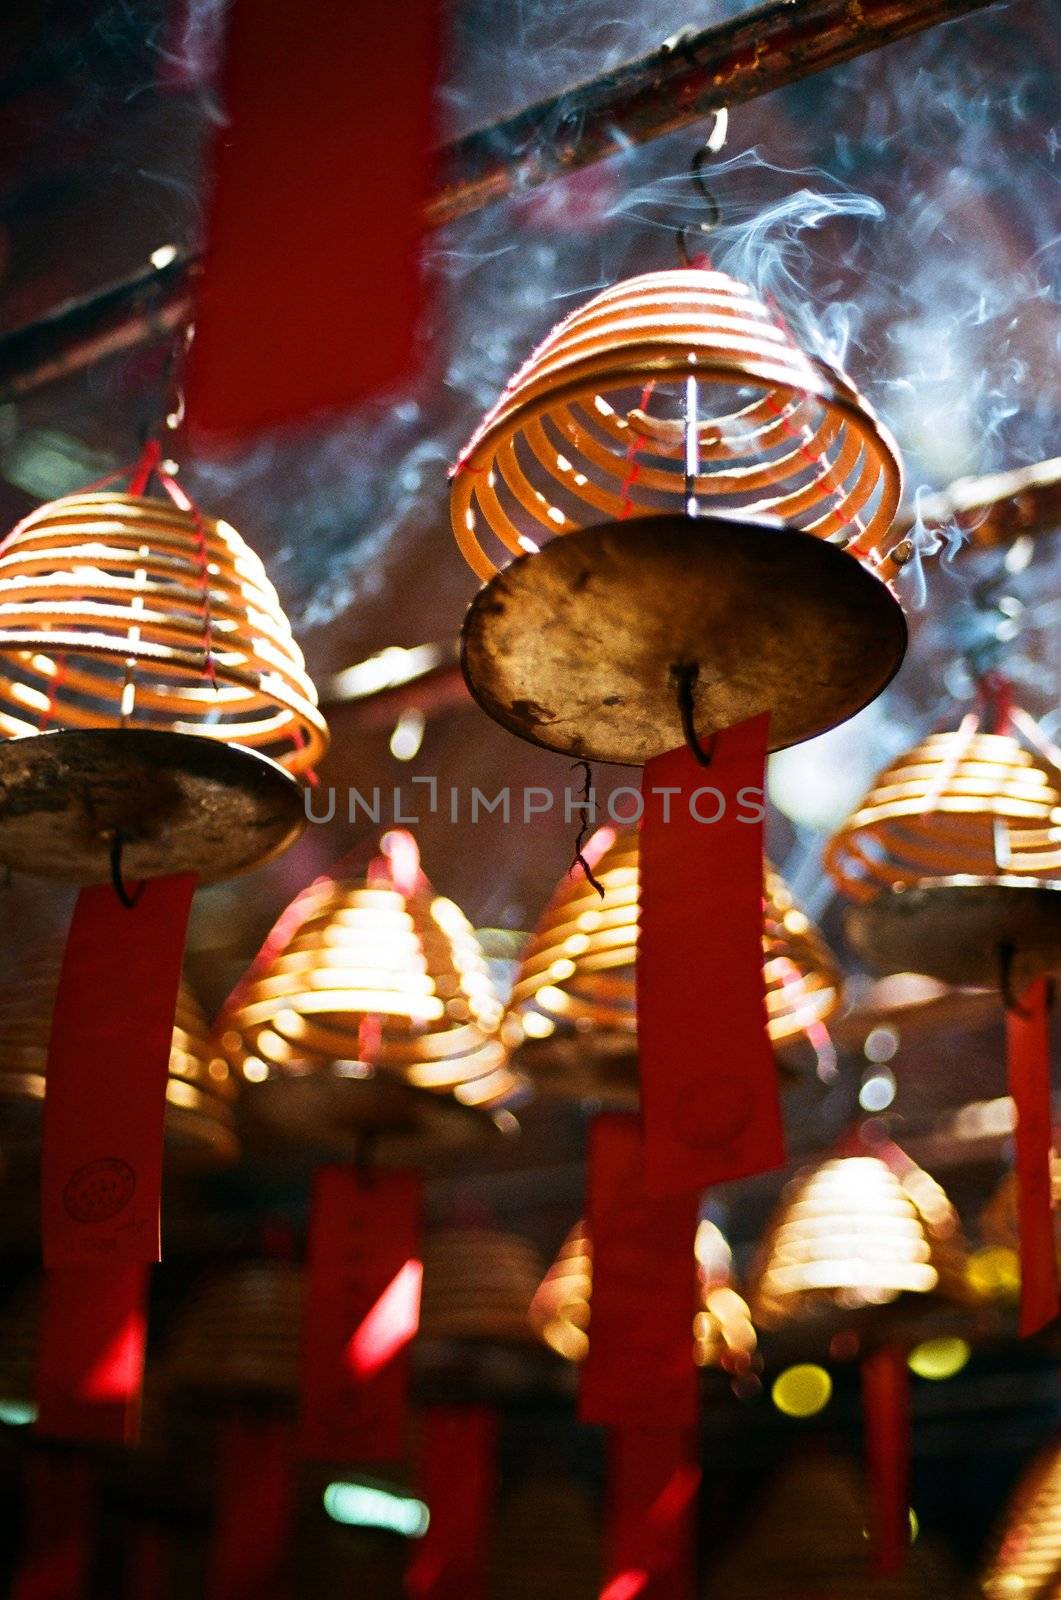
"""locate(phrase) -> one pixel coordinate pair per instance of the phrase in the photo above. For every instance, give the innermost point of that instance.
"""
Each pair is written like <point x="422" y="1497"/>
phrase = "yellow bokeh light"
<point x="802" y="1391"/>
<point x="939" y="1358"/>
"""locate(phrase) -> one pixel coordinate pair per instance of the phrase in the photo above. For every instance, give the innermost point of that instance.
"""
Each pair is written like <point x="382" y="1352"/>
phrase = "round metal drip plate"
<point x="178" y="803"/>
<point x="577" y="647"/>
<point x="962" y="930"/>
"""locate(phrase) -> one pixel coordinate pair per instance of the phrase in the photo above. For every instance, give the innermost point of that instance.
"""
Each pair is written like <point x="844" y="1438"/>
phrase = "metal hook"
<point x="682" y="241"/>
<point x="686" y="677"/>
<point x="128" y="900"/>
<point x="364" y="1158"/>
<point x="1006" y="953"/>
<point x="587" y="801"/>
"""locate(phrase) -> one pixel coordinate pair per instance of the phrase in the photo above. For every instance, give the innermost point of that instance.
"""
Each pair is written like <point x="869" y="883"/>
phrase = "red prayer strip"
<point x="58" y="1529"/>
<point x="456" y="1479"/>
<point x="362" y="1312"/>
<point x="1028" y="1051"/>
<point x="108" y="1061"/>
<point x="250" y="1551"/>
<point x="90" y="1353"/>
<point x="640" y="1367"/>
<point x="708" y="1077"/>
<point x="650" y="1538"/>
<point x="310" y="297"/>
<point x="886" y="1420"/>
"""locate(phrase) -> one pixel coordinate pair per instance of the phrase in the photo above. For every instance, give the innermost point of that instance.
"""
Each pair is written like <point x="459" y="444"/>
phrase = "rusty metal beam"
<point x="674" y="87"/>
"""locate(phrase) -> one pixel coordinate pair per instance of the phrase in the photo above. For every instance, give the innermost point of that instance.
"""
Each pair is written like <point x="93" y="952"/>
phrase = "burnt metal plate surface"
<point x="378" y="1118"/>
<point x="181" y="803"/>
<point x="956" y="929"/>
<point x="575" y="648"/>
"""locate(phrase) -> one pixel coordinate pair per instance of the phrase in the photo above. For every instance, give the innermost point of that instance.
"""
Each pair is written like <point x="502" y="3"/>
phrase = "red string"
<point x="54" y="686"/>
<point x="185" y="503"/>
<point x="633" y="466"/>
<point x="148" y="462"/>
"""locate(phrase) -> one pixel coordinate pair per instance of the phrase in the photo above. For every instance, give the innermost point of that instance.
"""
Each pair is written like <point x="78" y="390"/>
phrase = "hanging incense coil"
<point x="808" y="1538"/>
<point x="723" y="1335"/>
<point x="200" y="1089"/>
<point x="646" y="439"/>
<point x="577" y="978"/>
<point x="857" y="1233"/>
<point x="237" y="1339"/>
<point x="1026" y="1562"/>
<point x="547" y="1540"/>
<point x="150" y="682"/>
<point x="478" y="1285"/>
<point x="954" y="858"/>
<point x="999" y="1264"/>
<point x="370" y="1019"/>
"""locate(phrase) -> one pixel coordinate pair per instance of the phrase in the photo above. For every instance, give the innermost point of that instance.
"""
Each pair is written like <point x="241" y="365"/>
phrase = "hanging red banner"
<point x="90" y="1353"/>
<point x="640" y="1368"/>
<point x="250" y="1550"/>
<point x="58" y="1529"/>
<point x="650" y="1538"/>
<point x="1028" y="1042"/>
<point x="456" y="1479"/>
<point x="708" y="1077"/>
<point x="361" y="1315"/>
<point x="150" y="1571"/>
<point x="886" y="1421"/>
<point x="311" y="298"/>
<point x="108" y="1060"/>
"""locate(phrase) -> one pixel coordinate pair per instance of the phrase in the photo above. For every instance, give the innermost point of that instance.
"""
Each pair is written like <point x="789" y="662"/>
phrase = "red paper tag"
<point x="362" y="1312"/>
<point x="310" y="292"/>
<point x="456" y="1479"/>
<point x="90" y="1354"/>
<point x="108" y="1060"/>
<point x="58" y="1529"/>
<point x="708" y="1076"/>
<point x="150" y="1571"/>
<point x="249" y="1555"/>
<point x="1028" y="1041"/>
<point x="886" y="1418"/>
<point x="640" y="1368"/>
<point x="650" y="1539"/>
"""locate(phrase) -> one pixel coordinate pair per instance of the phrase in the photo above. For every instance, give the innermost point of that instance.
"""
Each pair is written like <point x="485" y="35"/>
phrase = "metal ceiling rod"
<point x="693" y="74"/>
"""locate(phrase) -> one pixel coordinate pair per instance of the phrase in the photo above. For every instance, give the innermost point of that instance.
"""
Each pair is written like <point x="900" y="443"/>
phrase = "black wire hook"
<point x="579" y="858"/>
<point x="1006" y="954"/>
<point x="710" y="147"/>
<point x="128" y="900"/>
<point x="685" y="678"/>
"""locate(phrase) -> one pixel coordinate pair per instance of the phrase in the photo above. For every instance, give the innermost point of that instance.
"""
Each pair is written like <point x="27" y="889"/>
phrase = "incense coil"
<point x="121" y="611"/>
<point x="578" y="970"/>
<point x="478" y="1284"/>
<point x="723" y="1335"/>
<point x="237" y="1338"/>
<point x="364" y="979"/>
<point x="1027" y="1559"/>
<point x="858" y="1231"/>
<point x="962" y="803"/>
<point x="807" y="1539"/>
<point x="573" y="439"/>
<point x="200" y="1090"/>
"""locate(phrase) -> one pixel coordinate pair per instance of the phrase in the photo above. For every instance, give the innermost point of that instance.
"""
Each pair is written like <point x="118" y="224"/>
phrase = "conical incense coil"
<point x="962" y="802"/>
<point x="592" y="428"/>
<point x="808" y="1539"/>
<point x="237" y="1338"/>
<point x="478" y="1284"/>
<point x="120" y="611"/>
<point x="722" y="1330"/>
<point x="858" y="1231"/>
<point x="578" y="970"/>
<point x="372" y="981"/>
<point x="547" y="1540"/>
<point x="155" y="712"/>
<point x="1027" y="1562"/>
<point x="200" y="1089"/>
